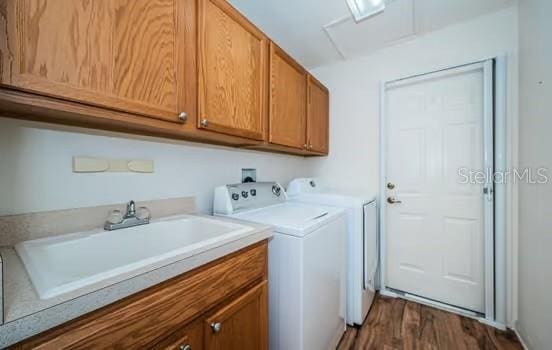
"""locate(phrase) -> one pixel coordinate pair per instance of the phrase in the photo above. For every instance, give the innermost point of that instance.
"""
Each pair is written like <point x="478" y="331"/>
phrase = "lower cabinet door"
<point x="190" y="337"/>
<point x="241" y="324"/>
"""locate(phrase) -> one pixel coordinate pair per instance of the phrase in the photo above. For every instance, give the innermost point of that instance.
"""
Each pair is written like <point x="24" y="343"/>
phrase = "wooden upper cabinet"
<point x="318" y="116"/>
<point x="288" y="100"/>
<point x="142" y="66"/>
<point x="233" y="64"/>
<point x="241" y="325"/>
<point x="124" y="55"/>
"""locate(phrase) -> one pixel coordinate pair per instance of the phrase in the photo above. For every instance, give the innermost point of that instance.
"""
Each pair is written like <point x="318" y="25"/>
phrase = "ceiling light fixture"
<point x="363" y="9"/>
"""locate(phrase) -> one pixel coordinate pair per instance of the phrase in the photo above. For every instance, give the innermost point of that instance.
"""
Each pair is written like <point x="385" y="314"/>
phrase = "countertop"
<point x="25" y="314"/>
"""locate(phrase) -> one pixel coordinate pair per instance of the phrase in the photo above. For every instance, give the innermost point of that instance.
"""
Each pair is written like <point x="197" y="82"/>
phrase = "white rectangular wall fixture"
<point x="101" y="165"/>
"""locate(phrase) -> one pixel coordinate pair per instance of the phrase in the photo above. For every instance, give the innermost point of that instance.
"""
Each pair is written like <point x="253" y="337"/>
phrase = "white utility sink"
<point x="62" y="264"/>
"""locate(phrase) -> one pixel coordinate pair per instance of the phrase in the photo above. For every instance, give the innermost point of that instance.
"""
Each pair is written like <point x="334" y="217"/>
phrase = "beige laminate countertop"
<point x="25" y="314"/>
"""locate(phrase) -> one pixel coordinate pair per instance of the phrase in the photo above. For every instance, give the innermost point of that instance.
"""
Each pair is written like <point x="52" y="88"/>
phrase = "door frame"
<point x="495" y="137"/>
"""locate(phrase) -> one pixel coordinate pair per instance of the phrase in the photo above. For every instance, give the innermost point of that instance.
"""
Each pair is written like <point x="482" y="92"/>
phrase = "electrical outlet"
<point x="249" y="175"/>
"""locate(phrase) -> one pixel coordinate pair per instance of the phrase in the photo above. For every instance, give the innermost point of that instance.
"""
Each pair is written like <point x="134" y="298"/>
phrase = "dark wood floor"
<point x="396" y="324"/>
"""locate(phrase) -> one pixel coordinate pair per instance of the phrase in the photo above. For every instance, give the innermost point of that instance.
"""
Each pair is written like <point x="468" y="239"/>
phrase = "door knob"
<point x="216" y="327"/>
<point x="390" y="185"/>
<point x="393" y="200"/>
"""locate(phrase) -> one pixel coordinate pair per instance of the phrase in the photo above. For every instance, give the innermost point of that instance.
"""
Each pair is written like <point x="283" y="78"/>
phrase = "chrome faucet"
<point x="117" y="221"/>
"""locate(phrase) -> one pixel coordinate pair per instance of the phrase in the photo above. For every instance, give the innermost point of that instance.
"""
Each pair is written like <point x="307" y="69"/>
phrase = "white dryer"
<point x="306" y="267"/>
<point x="362" y="251"/>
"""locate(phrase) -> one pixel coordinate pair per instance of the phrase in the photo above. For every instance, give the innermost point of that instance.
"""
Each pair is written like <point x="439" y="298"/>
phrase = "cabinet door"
<point x="242" y="324"/>
<point x="318" y="117"/>
<point x="188" y="338"/>
<point x="288" y="100"/>
<point x="233" y="63"/>
<point x="118" y="54"/>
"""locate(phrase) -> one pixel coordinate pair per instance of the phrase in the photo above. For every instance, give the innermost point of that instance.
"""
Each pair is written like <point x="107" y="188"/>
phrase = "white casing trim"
<point x="500" y="308"/>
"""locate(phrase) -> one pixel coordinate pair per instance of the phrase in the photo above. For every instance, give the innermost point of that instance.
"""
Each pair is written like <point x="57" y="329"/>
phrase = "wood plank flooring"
<point x="397" y="324"/>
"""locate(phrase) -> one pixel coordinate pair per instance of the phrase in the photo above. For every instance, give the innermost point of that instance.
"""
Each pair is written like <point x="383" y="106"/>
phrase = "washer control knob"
<point x="253" y="192"/>
<point x="276" y="190"/>
<point x="245" y="194"/>
<point x="235" y="196"/>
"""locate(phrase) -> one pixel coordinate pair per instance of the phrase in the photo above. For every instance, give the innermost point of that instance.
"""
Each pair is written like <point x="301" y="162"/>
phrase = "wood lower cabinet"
<point x="190" y="337"/>
<point x="233" y="61"/>
<point x="318" y="117"/>
<point x="230" y="292"/>
<point x="126" y="55"/>
<point x="240" y="325"/>
<point x="288" y="100"/>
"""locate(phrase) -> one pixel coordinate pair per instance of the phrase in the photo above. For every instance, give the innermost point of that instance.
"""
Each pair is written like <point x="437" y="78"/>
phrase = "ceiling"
<point x="319" y="32"/>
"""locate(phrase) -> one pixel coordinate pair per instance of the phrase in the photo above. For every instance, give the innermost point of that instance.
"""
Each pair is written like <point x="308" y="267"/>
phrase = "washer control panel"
<point x="233" y="198"/>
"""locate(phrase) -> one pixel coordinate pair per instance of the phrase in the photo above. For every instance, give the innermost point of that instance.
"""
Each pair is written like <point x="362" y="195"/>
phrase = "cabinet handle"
<point x="305" y="146"/>
<point x="183" y="116"/>
<point x="216" y="327"/>
<point x="204" y="122"/>
<point x="310" y="146"/>
<point x="185" y="347"/>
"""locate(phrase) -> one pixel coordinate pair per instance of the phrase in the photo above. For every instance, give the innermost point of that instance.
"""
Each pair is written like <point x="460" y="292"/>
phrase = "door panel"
<point x="233" y="60"/>
<point x="288" y="100"/>
<point x="318" y="117"/>
<point x="145" y="48"/>
<point x="121" y="55"/>
<point x="49" y="27"/>
<point x="241" y="325"/>
<point x="435" y="234"/>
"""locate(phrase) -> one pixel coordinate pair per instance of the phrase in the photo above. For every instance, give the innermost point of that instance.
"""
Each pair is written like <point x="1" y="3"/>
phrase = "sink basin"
<point x="62" y="264"/>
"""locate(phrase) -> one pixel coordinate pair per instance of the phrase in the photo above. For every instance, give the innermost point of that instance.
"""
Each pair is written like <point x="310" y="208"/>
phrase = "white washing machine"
<point x="306" y="265"/>
<point x="363" y="252"/>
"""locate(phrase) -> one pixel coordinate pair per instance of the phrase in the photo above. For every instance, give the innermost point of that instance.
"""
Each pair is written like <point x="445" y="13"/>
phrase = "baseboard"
<point x="520" y="338"/>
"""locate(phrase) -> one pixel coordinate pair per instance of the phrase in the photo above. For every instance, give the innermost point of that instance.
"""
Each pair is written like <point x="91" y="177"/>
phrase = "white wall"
<point x="355" y="94"/>
<point x="36" y="173"/>
<point x="355" y="103"/>
<point x="535" y="219"/>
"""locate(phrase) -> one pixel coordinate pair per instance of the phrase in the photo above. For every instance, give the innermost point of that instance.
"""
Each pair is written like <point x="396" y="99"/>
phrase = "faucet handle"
<point x="131" y="208"/>
<point x="115" y="217"/>
<point x="143" y="213"/>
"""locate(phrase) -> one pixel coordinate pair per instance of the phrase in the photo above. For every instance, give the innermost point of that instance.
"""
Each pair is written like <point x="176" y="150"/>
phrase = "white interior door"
<point x="435" y="233"/>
